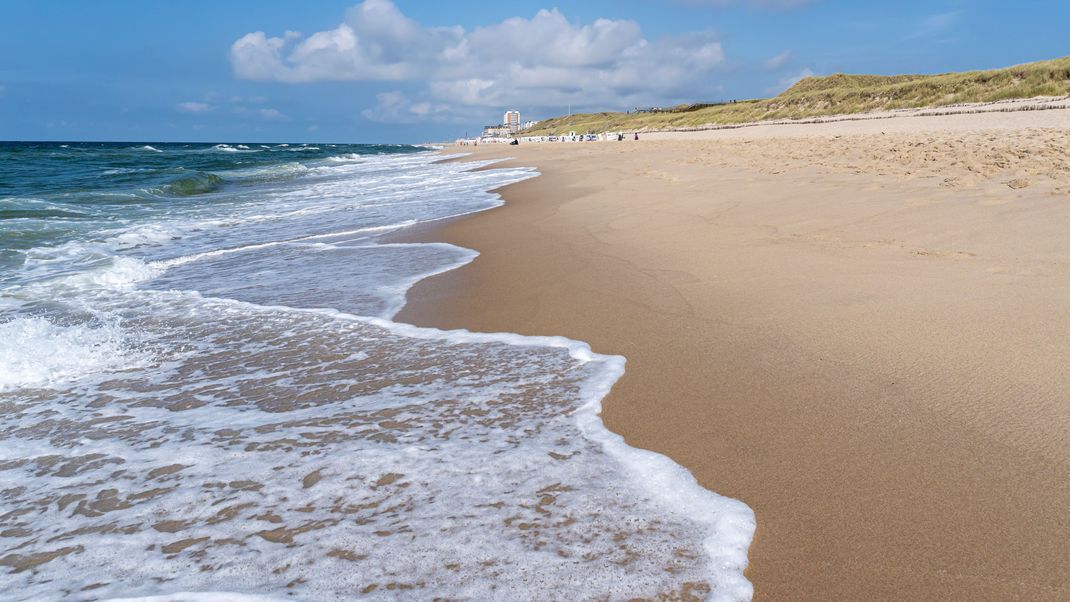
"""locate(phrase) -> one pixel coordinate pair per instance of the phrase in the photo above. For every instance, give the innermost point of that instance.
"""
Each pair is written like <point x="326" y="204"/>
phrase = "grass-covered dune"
<point x="838" y="94"/>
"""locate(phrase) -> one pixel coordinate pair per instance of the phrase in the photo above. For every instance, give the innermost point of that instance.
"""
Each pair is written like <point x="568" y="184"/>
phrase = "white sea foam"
<point x="226" y="148"/>
<point x="93" y="268"/>
<point x="35" y="352"/>
<point x="476" y="475"/>
<point x="272" y="171"/>
<point x="199" y="597"/>
<point x="140" y="235"/>
<point x="123" y="273"/>
<point x="149" y="148"/>
<point x="123" y="170"/>
<point x="347" y="158"/>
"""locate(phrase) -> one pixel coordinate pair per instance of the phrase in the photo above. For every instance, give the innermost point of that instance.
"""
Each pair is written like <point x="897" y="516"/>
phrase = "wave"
<point x="194" y="183"/>
<point x="38" y="353"/>
<point x="226" y="148"/>
<point x="124" y="170"/>
<point x="347" y="158"/>
<point x="142" y="235"/>
<point x="148" y="148"/>
<point x="39" y="214"/>
<point x="270" y="173"/>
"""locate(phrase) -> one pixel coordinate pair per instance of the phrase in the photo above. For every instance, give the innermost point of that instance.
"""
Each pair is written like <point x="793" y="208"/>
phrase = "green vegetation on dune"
<point x="838" y="94"/>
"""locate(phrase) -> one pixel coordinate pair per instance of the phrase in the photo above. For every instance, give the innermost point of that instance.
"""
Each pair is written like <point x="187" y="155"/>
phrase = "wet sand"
<point x="862" y="330"/>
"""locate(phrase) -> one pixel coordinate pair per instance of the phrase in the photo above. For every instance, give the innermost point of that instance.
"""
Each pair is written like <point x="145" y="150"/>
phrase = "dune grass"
<point x="838" y="94"/>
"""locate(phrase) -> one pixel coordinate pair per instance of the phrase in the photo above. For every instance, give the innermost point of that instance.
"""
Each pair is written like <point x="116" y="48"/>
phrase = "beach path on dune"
<point x="862" y="331"/>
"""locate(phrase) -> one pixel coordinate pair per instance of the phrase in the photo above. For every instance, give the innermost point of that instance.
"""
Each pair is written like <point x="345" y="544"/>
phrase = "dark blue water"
<point x="53" y="192"/>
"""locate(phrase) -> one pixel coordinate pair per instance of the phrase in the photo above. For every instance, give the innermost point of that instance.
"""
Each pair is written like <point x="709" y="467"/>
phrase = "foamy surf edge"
<point x="731" y="523"/>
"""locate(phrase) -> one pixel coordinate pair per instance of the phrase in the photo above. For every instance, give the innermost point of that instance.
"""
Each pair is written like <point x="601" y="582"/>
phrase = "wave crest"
<point x="37" y="353"/>
<point x="191" y="184"/>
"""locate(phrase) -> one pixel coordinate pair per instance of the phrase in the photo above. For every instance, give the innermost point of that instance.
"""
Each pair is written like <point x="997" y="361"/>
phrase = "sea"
<point x="204" y="395"/>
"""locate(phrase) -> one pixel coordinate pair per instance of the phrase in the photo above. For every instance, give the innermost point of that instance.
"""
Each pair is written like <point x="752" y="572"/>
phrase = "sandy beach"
<point x="860" y="329"/>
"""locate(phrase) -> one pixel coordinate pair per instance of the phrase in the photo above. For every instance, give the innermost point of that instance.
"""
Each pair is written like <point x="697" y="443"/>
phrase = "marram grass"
<point x="838" y="94"/>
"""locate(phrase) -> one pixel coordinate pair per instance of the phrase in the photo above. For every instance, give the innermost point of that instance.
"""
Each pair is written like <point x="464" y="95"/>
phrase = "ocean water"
<point x="202" y="390"/>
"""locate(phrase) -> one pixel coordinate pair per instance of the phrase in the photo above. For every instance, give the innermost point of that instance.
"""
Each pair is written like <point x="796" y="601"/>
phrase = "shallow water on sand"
<point x="209" y="395"/>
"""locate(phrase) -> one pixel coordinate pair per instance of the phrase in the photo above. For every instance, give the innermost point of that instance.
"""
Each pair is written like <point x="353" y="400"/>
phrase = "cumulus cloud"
<point x="374" y="42"/>
<point x="542" y="61"/>
<point x="194" y="107"/>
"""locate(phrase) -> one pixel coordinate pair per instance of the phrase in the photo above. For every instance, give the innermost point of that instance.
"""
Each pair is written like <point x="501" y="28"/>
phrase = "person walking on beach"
<point x="637" y="135"/>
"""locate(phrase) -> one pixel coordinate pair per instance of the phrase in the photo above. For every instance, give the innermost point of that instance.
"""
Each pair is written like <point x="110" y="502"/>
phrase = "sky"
<point x="426" y="70"/>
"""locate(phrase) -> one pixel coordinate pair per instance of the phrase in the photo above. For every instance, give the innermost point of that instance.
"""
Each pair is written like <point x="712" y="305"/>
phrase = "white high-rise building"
<point x="512" y="121"/>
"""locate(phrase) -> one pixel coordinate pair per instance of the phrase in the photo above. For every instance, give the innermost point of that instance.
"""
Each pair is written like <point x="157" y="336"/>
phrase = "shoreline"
<point x="836" y="369"/>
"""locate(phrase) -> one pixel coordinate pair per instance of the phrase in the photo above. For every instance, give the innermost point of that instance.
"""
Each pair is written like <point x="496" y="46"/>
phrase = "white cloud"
<point x="776" y="62"/>
<point x="544" y="61"/>
<point x="374" y="42"/>
<point x="395" y="107"/>
<point x="194" y="107"/>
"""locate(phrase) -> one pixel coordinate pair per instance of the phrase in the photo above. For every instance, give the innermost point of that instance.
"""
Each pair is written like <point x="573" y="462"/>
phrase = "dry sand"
<point x="865" y="336"/>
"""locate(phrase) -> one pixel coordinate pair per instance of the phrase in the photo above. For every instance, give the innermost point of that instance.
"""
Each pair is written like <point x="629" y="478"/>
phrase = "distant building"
<point x="509" y="127"/>
<point x="497" y="131"/>
<point x="512" y="121"/>
<point x="529" y="124"/>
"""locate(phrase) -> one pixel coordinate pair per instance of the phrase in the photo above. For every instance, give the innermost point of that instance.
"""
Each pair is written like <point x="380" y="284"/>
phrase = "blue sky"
<point x="411" y="71"/>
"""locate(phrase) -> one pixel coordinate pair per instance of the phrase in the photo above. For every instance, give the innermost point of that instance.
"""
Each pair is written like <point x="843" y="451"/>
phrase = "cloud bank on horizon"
<point x="544" y="61"/>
